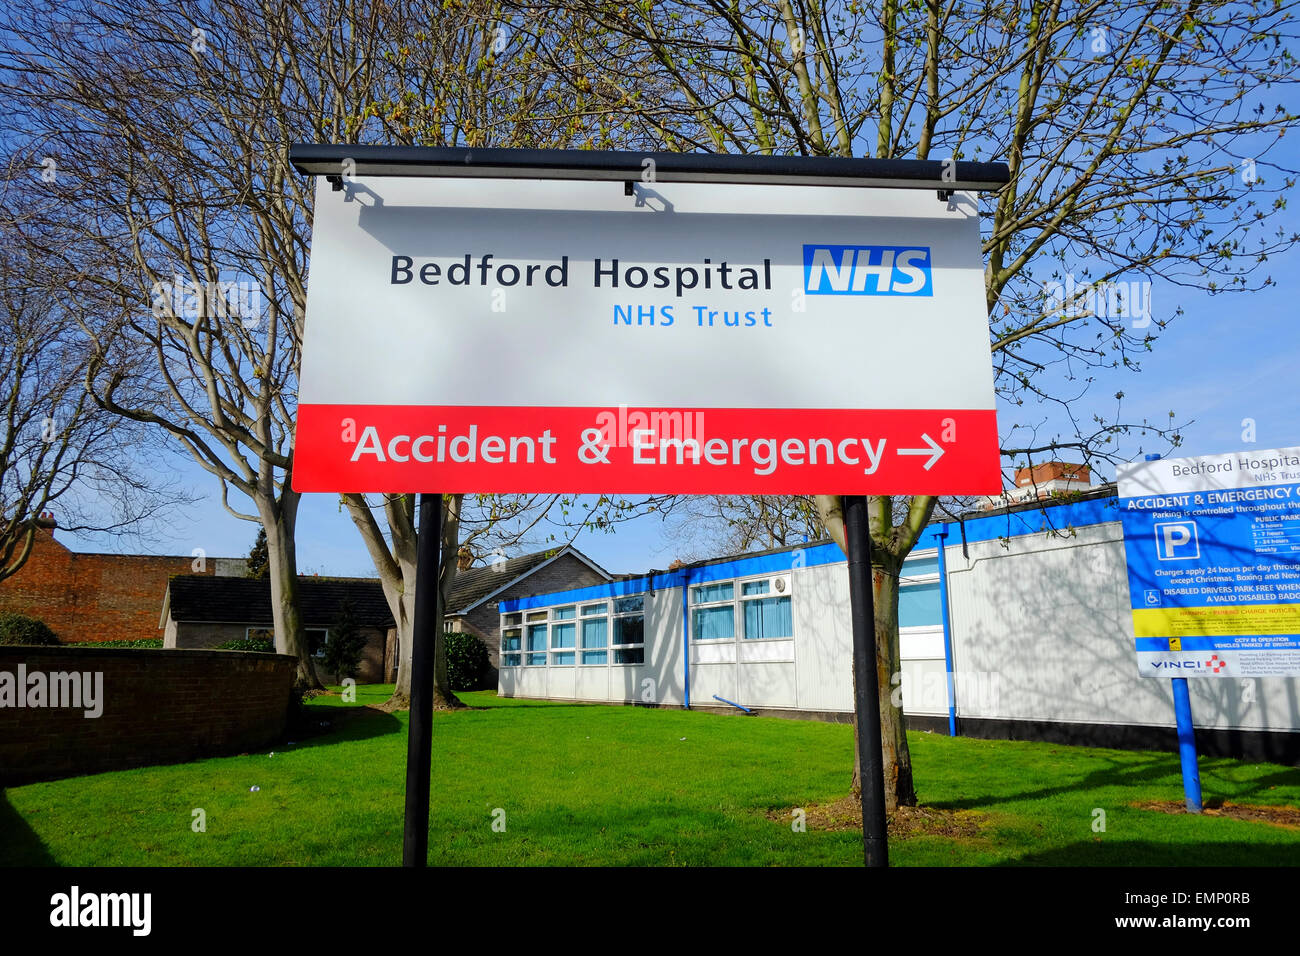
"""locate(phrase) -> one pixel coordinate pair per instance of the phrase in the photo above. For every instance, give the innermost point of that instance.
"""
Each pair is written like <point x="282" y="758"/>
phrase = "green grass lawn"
<point x="594" y="785"/>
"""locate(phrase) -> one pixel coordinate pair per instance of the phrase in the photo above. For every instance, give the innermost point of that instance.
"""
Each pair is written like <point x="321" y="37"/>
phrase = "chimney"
<point x="46" y="522"/>
<point x="464" y="558"/>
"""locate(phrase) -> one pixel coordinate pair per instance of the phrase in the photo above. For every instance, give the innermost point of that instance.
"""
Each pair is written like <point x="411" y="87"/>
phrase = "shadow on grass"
<point x="19" y="844"/>
<point x="1144" y="853"/>
<point x="546" y="705"/>
<point x="1128" y="771"/>
<point x="322" y="726"/>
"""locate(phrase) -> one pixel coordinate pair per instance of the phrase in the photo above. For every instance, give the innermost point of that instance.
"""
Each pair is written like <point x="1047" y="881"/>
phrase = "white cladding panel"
<point x="925" y="687"/>
<point x="562" y="682"/>
<point x="593" y="682"/>
<point x="823" y="640"/>
<point x="710" y="680"/>
<point x="1042" y="630"/>
<point x="663" y="654"/>
<point x="766" y="685"/>
<point x="921" y="643"/>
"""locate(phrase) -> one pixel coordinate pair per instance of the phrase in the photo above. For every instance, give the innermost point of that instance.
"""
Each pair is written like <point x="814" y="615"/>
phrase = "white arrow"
<point x="935" y="451"/>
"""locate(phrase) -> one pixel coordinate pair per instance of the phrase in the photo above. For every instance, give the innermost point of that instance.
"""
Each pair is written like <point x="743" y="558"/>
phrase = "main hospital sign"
<point x="501" y="335"/>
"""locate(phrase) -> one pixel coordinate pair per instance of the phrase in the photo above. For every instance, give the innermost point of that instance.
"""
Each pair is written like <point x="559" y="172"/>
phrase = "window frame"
<point x="772" y="593"/>
<point x="532" y="620"/>
<point x="919" y="580"/>
<point x="582" y="611"/>
<point x="588" y="612"/>
<point x="616" y="649"/>
<point x="738" y="601"/>
<point x="554" y="650"/>
<point x="512" y="652"/>
<point x="721" y="602"/>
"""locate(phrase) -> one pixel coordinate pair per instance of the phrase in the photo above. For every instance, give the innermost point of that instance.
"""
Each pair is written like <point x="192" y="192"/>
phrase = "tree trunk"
<point x="403" y="605"/>
<point x="397" y="574"/>
<point x="896" y="757"/>
<point x="444" y="698"/>
<point x="279" y="519"/>
<point x="889" y="547"/>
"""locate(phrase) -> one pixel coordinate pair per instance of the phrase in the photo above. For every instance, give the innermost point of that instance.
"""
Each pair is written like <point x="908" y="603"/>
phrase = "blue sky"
<point x="1227" y="358"/>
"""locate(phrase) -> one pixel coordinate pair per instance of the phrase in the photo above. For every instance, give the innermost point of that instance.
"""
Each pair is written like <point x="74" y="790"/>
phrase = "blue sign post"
<point x="1187" y="745"/>
<point x="1213" y="551"/>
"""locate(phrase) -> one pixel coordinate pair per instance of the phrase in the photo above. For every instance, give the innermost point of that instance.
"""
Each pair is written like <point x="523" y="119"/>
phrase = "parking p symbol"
<point x="1177" y="541"/>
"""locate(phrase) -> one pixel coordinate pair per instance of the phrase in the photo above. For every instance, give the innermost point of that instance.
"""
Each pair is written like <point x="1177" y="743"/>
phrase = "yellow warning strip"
<point x="1217" y="621"/>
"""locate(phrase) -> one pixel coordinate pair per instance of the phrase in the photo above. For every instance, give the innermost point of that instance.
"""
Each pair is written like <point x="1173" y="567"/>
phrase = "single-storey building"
<point x="205" y="611"/>
<point x="1012" y="625"/>
<point x="476" y="592"/>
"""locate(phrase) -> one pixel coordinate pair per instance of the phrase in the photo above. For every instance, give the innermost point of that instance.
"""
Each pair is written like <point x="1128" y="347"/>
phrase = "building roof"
<point x="473" y="586"/>
<point x="203" y="598"/>
<point x="722" y="559"/>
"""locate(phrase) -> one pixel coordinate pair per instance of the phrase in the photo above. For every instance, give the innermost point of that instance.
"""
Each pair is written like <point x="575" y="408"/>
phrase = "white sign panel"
<point x="504" y="335"/>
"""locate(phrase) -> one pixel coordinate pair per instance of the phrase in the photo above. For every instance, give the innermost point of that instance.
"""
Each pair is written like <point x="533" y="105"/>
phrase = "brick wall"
<point x="159" y="706"/>
<point x="93" y="597"/>
<point x="373" y="669"/>
<point x="562" y="574"/>
<point x="201" y="636"/>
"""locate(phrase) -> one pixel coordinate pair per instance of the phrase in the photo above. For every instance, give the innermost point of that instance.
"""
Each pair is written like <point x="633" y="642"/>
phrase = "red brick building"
<point x="1050" y="479"/>
<point x="86" y="597"/>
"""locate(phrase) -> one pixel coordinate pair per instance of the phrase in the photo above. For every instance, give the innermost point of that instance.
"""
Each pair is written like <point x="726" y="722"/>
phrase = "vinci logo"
<point x="867" y="270"/>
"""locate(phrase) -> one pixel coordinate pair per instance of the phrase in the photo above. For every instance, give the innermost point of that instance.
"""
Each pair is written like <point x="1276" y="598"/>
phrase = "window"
<point x="714" y="616"/>
<point x="536" y="637"/>
<point x="629" y="630"/>
<point x="316" y="638"/>
<point x="765" y="616"/>
<point x="563" y="633"/>
<point x="260" y="634"/>
<point x="595" y="634"/>
<point x="576" y="634"/>
<point x="918" y="605"/>
<point x="512" y="639"/>
<point x="919" y="598"/>
<point x="762" y="609"/>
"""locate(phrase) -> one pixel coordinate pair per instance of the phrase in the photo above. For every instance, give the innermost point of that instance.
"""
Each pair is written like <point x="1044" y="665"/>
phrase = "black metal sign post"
<point x="866" y="687"/>
<point x="419" y="739"/>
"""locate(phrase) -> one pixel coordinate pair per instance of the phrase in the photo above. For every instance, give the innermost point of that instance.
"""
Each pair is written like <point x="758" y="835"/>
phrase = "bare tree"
<point x="56" y="445"/>
<point x="483" y="528"/>
<point x="1139" y="140"/>
<point x="709" y="526"/>
<point x="170" y="128"/>
<point x="475" y="77"/>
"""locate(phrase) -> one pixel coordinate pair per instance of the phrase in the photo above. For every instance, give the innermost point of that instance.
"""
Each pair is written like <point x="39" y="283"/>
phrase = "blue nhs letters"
<point x="867" y="270"/>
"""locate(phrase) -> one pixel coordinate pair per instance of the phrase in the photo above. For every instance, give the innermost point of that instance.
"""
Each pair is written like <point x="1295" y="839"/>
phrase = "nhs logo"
<point x="867" y="270"/>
